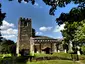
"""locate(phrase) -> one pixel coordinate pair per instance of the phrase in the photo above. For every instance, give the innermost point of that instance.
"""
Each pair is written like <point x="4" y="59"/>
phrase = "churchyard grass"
<point x="83" y="61"/>
<point x="57" y="61"/>
<point x="60" y="55"/>
<point x="53" y="62"/>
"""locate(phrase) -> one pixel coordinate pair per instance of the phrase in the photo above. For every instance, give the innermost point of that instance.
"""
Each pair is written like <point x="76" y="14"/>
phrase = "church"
<point x="27" y="40"/>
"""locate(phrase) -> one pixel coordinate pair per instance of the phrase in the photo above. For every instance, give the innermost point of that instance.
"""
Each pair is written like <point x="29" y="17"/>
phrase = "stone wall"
<point x="41" y="46"/>
<point x="24" y="33"/>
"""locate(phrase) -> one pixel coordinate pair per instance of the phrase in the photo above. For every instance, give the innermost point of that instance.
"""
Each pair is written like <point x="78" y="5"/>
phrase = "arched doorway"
<point x="47" y="50"/>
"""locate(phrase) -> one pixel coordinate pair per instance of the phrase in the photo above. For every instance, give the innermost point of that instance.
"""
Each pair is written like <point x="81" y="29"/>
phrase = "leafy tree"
<point x="70" y="29"/>
<point x="76" y="14"/>
<point x="7" y="46"/>
<point x="73" y="15"/>
<point x="75" y="32"/>
<point x="73" y="22"/>
<point x="57" y="3"/>
<point x="2" y="16"/>
<point x="80" y="33"/>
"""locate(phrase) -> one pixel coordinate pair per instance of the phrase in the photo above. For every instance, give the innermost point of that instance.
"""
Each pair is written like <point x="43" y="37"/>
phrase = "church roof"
<point x="42" y="37"/>
<point x="46" y="38"/>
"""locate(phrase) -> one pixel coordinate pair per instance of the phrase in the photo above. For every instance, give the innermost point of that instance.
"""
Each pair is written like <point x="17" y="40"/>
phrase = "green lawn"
<point x="53" y="62"/>
<point x="83" y="61"/>
<point x="20" y="60"/>
<point x="54" y="54"/>
<point x="43" y="62"/>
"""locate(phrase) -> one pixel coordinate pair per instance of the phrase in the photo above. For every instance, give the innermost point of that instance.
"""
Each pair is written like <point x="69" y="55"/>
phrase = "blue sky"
<point x="42" y="22"/>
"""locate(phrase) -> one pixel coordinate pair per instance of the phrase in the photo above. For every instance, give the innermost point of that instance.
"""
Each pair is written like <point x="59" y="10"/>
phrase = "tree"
<point x="69" y="31"/>
<point x="76" y="14"/>
<point x="62" y="3"/>
<point x="2" y="16"/>
<point x="7" y="46"/>
<point x="80" y="33"/>
<point x="74" y="32"/>
<point x="57" y="3"/>
<point x="72" y="22"/>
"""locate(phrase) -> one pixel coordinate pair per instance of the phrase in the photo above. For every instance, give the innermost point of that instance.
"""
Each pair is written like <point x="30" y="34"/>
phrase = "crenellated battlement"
<point x="24" y="19"/>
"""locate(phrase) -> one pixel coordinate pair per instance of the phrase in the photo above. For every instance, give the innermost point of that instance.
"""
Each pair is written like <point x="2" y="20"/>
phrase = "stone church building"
<point x="27" y="39"/>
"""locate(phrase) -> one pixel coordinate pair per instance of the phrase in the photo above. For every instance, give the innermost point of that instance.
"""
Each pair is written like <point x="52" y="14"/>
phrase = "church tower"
<point x="24" y="34"/>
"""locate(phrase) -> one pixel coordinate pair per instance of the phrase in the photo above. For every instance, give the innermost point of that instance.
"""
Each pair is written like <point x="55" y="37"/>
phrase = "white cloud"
<point x="36" y="4"/>
<point x="45" y="28"/>
<point x="6" y="25"/>
<point x="59" y="37"/>
<point x="59" y="28"/>
<point x="24" y="2"/>
<point x="39" y="33"/>
<point x="9" y="36"/>
<point x="8" y="31"/>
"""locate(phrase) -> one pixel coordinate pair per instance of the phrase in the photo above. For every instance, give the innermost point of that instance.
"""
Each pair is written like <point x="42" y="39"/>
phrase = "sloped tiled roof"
<point x="42" y="37"/>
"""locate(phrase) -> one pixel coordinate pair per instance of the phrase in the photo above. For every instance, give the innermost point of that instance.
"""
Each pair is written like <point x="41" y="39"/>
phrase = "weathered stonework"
<point x="24" y="33"/>
<point x="35" y="44"/>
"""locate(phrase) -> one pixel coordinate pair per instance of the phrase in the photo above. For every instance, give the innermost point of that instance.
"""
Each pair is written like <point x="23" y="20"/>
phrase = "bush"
<point x="64" y="56"/>
<point x="83" y="49"/>
<point x="22" y="59"/>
